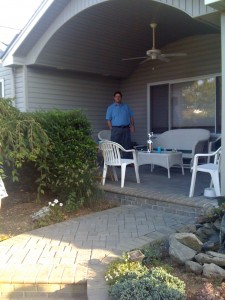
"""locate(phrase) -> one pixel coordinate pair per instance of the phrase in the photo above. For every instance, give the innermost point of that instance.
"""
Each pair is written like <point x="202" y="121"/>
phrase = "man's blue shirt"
<point x="119" y="114"/>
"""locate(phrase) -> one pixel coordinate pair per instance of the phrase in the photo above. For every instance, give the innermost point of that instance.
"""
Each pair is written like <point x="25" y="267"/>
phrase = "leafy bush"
<point x="120" y="268"/>
<point x="55" y="149"/>
<point x="71" y="163"/>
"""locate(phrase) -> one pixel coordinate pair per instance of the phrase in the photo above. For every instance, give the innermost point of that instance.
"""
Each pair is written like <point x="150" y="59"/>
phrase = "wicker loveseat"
<point x="188" y="141"/>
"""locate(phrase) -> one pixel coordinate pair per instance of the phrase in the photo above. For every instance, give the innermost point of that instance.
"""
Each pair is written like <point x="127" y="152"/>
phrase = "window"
<point x="1" y="88"/>
<point x="187" y="104"/>
<point x="193" y="104"/>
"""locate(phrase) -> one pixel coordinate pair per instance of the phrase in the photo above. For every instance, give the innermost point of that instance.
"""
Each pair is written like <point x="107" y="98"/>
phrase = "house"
<point x="70" y="55"/>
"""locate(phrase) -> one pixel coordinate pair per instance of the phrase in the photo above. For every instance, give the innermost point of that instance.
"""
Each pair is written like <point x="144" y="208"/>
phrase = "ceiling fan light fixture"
<point x="153" y="54"/>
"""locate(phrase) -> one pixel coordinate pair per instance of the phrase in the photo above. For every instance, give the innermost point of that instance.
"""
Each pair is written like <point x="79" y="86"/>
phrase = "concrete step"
<point x="43" y="291"/>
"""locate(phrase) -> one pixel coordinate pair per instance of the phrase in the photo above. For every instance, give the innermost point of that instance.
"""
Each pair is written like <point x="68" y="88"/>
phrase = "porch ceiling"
<point x="96" y="40"/>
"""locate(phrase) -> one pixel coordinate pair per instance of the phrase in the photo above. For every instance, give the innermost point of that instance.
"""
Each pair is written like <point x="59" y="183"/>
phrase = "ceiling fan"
<point x="154" y="53"/>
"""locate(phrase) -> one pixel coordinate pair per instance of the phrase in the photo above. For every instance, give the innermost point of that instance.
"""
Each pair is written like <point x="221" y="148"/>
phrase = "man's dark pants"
<point x="122" y="137"/>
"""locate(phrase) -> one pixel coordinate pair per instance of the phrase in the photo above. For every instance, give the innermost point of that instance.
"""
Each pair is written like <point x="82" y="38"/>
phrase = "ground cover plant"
<point x="158" y="277"/>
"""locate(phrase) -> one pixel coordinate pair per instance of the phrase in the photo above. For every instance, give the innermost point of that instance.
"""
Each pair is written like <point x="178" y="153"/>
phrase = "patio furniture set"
<point x="170" y="148"/>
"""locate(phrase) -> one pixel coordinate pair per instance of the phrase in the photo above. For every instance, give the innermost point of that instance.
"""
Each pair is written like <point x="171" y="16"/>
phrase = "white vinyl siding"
<point x="192" y="7"/>
<point x="57" y="90"/>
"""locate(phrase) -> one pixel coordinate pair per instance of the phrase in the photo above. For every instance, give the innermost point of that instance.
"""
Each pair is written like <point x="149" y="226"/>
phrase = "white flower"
<point x="56" y="201"/>
<point x="60" y="204"/>
<point x="49" y="203"/>
<point x="53" y="204"/>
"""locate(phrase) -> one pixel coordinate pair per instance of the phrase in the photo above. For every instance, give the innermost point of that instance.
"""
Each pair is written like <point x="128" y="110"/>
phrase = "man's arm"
<point x="132" y="127"/>
<point x="109" y="124"/>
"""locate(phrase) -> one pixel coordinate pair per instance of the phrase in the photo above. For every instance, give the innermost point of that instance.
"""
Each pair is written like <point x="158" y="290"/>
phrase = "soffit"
<point x="96" y="40"/>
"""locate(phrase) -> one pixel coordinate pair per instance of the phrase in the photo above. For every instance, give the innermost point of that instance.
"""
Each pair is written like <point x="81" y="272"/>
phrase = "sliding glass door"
<point x="192" y="103"/>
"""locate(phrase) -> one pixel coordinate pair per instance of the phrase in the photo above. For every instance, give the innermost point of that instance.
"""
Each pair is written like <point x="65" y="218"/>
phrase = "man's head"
<point x="118" y="97"/>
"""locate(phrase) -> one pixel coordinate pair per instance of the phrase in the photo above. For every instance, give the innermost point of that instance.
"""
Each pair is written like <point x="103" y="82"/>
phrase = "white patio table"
<point x="165" y="159"/>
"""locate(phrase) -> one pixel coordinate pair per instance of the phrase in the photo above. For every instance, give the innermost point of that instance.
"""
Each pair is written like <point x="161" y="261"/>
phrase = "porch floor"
<point x="159" y="192"/>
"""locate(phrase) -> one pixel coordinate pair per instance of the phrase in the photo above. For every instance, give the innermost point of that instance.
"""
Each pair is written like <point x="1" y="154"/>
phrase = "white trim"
<point x="223" y="104"/>
<point x="8" y="56"/>
<point x="148" y="108"/>
<point x="2" y="88"/>
<point x="25" y="84"/>
<point x="183" y="79"/>
<point x="13" y="82"/>
<point x="169" y="103"/>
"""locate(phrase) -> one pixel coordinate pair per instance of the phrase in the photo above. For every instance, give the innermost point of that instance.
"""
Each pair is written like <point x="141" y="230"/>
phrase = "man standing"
<point x="120" y="121"/>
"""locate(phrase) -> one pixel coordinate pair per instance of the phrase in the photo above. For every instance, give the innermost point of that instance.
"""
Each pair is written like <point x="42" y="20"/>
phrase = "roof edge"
<point x="18" y="40"/>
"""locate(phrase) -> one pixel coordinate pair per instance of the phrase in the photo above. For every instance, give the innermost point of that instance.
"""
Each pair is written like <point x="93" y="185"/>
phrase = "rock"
<point x="218" y="258"/>
<point x="222" y="248"/>
<point x="198" y="226"/>
<point x="202" y="219"/>
<point x="207" y="214"/>
<point x="193" y="267"/>
<point x="203" y="258"/>
<point x="44" y="211"/>
<point x="188" y="228"/>
<point x="190" y="240"/>
<point x="222" y="235"/>
<point x="205" y="232"/>
<point x="213" y="271"/>
<point x="210" y="245"/>
<point x="179" y="252"/>
<point x="211" y="257"/>
<point x="213" y="243"/>
<point x="217" y="224"/>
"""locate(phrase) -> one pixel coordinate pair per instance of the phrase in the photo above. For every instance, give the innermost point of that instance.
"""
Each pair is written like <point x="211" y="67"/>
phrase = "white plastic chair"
<point x="112" y="157"/>
<point x="104" y="135"/>
<point x="212" y="168"/>
<point x="213" y="146"/>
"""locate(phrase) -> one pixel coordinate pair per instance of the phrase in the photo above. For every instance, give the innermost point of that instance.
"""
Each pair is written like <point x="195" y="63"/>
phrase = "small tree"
<point x="22" y="139"/>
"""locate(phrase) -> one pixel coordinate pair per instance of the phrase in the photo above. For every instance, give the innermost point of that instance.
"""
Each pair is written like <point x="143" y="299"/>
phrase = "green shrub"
<point x="54" y="149"/>
<point x="132" y="280"/>
<point x="121" y="268"/>
<point x="171" y="281"/>
<point x="71" y="163"/>
<point x="145" y="288"/>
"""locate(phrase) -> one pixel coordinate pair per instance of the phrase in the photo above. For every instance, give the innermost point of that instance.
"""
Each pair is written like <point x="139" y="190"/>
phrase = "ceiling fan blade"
<point x="173" y="54"/>
<point x="163" y="58"/>
<point x="144" y="61"/>
<point x="133" y="58"/>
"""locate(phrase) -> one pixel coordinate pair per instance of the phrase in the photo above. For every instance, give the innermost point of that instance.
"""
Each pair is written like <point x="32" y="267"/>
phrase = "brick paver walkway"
<point x="47" y="262"/>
